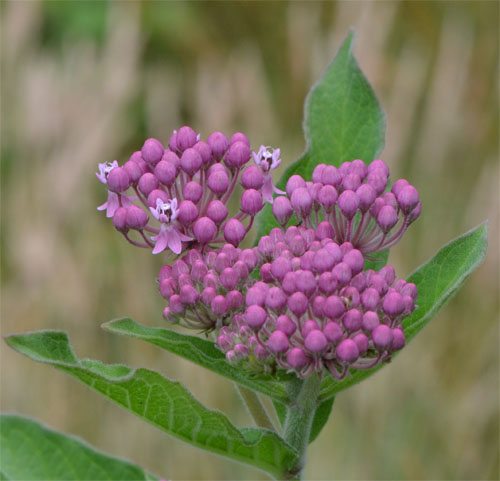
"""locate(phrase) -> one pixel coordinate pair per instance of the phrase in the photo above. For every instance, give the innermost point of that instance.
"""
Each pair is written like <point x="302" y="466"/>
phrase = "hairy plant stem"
<point x="255" y="407"/>
<point x="299" y="418"/>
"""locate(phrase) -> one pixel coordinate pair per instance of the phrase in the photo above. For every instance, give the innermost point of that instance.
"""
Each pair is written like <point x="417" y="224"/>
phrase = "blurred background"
<point x="87" y="82"/>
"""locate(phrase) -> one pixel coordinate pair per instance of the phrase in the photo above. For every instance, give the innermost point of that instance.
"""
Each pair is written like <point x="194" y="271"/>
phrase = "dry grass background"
<point x="86" y="82"/>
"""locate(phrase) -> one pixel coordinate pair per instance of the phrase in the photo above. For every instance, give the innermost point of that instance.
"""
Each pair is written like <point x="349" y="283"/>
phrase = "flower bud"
<point x="352" y="320"/>
<point x="217" y="211"/>
<point x="204" y="230"/>
<point x="238" y="154"/>
<point x="133" y="170"/>
<point x="294" y="182"/>
<point x="255" y="316"/>
<point x="204" y="150"/>
<point x="251" y="202"/>
<point x="393" y="304"/>
<point x="120" y="219"/>
<point x="188" y="212"/>
<point x="234" y="231"/>
<point x="387" y="218"/>
<point x="165" y="172"/>
<point x="296" y="358"/>
<point x="147" y="183"/>
<point x="298" y="303"/>
<point x="156" y="194"/>
<point x="219" y="305"/>
<point x="192" y="191"/>
<point x="327" y="196"/>
<point x="315" y="341"/>
<point x="278" y="342"/>
<point x="301" y="200"/>
<point x="347" y="351"/>
<point x="333" y="307"/>
<point x="330" y="175"/>
<point x="276" y="299"/>
<point x="366" y="196"/>
<point x="362" y="342"/>
<point x="152" y="151"/>
<point x="407" y="198"/>
<point x="382" y="337"/>
<point x="333" y="332"/>
<point x="348" y="203"/>
<point x="229" y="278"/>
<point x="282" y="210"/>
<point x="191" y="161"/>
<point x="136" y="217"/>
<point x="218" y="143"/>
<point x="252" y="177"/>
<point x="186" y="138"/>
<point x="118" y="180"/>
<point x="398" y="339"/>
<point x="239" y="137"/>
<point x="286" y="325"/>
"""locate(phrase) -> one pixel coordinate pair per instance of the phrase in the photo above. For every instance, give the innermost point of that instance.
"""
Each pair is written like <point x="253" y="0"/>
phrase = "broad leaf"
<point x="31" y="451"/>
<point x="199" y="351"/>
<point x="437" y="281"/>
<point x="165" y="404"/>
<point x="343" y="121"/>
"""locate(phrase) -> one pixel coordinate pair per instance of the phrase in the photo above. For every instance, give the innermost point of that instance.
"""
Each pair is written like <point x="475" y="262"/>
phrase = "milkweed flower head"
<point x="316" y="310"/>
<point x="301" y="299"/>
<point x="182" y="192"/>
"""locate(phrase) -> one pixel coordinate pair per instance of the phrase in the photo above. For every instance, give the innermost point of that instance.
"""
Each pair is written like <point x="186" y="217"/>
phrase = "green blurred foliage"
<point x="85" y="82"/>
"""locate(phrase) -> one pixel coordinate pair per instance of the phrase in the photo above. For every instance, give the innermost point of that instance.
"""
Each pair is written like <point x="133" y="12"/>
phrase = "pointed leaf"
<point x="437" y="281"/>
<point x="164" y="403"/>
<point x="343" y="121"/>
<point x="199" y="351"/>
<point x="32" y="451"/>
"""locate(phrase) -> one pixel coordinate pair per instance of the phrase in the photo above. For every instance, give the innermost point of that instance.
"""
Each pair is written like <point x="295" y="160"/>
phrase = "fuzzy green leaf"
<point x="164" y="403"/>
<point x="437" y="281"/>
<point x="199" y="351"/>
<point x="343" y="121"/>
<point x="32" y="451"/>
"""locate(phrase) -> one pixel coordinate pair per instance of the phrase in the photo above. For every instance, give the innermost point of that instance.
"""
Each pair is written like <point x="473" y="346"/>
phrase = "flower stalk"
<point x="299" y="419"/>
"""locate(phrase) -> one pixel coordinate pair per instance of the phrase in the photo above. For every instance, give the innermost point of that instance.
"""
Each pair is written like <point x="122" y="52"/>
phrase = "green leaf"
<point x="32" y="451"/>
<point x="437" y="281"/>
<point x="199" y="351"/>
<point x="343" y="121"/>
<point x="321" y="417"/>
<point x="164" y="403"/>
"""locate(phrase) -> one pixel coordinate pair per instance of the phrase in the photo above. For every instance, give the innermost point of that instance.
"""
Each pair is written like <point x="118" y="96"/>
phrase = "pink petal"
<point x="112" y="204"/>
<point x="161" y="242"/>
<point x="174" y="241"/>
<point x="103" y="206"/>
<point x="278" y="191"/>
<point x="267" y="189"/>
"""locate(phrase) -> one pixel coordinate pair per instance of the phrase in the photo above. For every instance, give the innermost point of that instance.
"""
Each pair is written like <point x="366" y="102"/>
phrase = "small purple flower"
<point x="268" y="159"/>
<point x="104" y="169"/>
<point x="169" y="235"/>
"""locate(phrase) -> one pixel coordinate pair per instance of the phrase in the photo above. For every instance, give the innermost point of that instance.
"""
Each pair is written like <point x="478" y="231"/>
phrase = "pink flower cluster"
<point x="311" y="308"/>
<point x="351" y="204"/>
<point x="300" y="300"/>
<point x="183" y="190"/>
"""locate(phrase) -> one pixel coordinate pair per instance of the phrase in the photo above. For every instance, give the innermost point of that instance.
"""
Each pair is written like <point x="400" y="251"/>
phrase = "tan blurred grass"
<point x="433" y="414"/>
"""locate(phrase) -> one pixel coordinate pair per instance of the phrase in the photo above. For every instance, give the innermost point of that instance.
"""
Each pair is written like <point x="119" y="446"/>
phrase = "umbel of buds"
<point x="181" y="193"/>
<point x="312" y="307"/>
<point x="351" y="204"/>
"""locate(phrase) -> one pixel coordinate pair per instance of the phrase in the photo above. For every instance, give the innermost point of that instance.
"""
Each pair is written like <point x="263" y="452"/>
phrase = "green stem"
<point x="255" y="407"/>
<point x="298" y="421"/>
